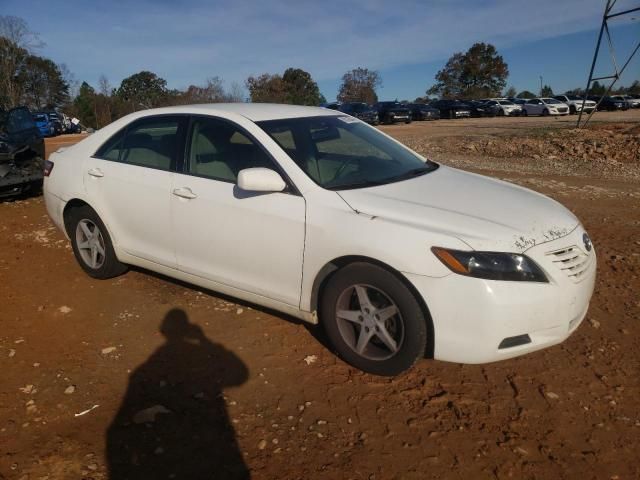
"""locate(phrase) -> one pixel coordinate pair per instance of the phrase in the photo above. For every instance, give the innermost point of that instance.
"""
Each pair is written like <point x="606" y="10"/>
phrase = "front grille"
<point x="572" y="261"/>
<point x="563" y="110"/>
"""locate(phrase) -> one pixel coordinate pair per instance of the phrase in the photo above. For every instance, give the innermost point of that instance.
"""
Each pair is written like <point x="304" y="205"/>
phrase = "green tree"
<point x="480" y="72"/>
<point x="597" y="88"/>
<point x="575" y="91"/>
<point x="42" y="83"/>
<point x="267" y="88"/>
<point x="143" y="90"/>
<point x="85" y="105"/>
<point x="546" y="91"/>
<point x="300" y="88"/>
<point x="510" y="92"/>
<point x="360" y="85"/>
<point x="634" y="88"/>
<point x="526" y="94"/>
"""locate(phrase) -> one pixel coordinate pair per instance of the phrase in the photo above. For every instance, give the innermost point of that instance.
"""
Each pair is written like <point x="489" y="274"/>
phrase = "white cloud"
<point x="187" y="42"/>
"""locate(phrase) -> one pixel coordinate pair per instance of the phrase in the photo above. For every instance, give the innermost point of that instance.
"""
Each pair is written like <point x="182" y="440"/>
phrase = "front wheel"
<point x="545" y="113"/>
<point x="373" y="320"/>
<point x="92" y="245"/>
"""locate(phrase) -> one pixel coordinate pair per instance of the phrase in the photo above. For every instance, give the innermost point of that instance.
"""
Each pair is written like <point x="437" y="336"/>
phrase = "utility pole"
<point x="540" y="85"/>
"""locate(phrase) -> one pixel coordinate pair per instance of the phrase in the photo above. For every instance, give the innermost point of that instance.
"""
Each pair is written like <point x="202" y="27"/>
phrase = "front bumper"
<point x="473" y="317"/>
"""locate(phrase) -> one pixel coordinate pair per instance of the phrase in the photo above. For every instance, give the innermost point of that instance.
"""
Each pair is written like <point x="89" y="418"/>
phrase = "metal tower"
<point x="604" y="29"/>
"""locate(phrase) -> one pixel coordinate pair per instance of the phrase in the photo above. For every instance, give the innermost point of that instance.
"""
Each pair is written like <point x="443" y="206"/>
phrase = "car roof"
<point x="255" y="112"/>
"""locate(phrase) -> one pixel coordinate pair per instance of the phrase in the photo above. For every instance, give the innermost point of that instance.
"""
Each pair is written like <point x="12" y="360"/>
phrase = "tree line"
<point x="39" y="83"/>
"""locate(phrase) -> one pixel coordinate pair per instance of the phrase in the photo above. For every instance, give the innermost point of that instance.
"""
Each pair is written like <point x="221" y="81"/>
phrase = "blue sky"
<point x="407" y="41"/>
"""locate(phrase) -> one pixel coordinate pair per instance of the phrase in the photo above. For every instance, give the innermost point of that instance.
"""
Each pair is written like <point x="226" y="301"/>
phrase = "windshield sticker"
<point x="348" y="119"/>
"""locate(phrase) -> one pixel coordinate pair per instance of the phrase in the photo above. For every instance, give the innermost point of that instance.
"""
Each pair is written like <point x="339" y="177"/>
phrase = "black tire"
<point x="109" y="266"/>
<point x="525" y="113"/>
<point x="451" y="115"/>
<point x="545" y="113"/>
<point x="407" y="121"/>
<point x="501" y="113"/>
<point x="572" y="110"/>
<point x="408" y="328"/>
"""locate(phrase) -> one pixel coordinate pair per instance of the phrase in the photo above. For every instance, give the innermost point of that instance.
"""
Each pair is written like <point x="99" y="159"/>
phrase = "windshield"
<point x="360" y="107"/>
<point x="550" y="101"/>
<point x="339" y="152"/>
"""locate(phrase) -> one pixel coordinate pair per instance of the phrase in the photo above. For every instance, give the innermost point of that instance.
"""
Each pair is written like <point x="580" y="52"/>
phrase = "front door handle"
<point x="184" y="192"/>
<point x="96" y="172"/>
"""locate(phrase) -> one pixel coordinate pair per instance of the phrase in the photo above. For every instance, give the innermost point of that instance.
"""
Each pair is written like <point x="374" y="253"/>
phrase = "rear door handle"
<point x="96" y="172"/>
<point x="184" y="192"/>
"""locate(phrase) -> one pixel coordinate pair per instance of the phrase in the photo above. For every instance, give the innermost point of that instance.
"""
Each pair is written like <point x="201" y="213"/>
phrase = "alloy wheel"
<point x="90" y="243"/>
<point x="369" y="322"/>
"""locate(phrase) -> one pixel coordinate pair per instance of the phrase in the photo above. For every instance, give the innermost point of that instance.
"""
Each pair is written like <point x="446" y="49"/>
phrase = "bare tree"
<point x="16" y="42"/>
<point x="236" y="94"/>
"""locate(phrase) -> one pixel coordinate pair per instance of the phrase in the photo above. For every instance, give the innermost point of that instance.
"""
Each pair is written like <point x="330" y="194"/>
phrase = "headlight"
<point x="491" y="265"/>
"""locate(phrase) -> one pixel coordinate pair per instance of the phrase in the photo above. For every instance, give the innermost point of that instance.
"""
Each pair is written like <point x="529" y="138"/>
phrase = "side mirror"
<point x="260" y="180"/>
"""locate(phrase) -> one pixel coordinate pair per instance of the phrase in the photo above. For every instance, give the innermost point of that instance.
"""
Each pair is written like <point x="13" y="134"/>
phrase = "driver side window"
<point x="219" y="150"/>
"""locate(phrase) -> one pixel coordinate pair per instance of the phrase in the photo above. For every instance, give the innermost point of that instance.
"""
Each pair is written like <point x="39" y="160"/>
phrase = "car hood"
<point x="485" y="213"/>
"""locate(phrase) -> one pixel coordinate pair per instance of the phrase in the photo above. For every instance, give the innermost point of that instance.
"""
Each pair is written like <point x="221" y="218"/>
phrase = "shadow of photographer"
<point x="173" y="421"/>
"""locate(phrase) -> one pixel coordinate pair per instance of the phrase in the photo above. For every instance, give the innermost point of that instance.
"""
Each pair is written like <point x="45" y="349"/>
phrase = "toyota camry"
<point x="316" y="214"/>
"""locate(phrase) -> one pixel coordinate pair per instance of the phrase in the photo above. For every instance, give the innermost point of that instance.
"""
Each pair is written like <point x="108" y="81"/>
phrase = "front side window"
<point x="219" y="150"/>
<point x="339" y="152"/>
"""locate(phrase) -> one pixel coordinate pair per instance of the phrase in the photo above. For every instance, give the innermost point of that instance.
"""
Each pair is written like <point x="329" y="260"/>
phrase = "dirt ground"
<point x="191" y="384"/>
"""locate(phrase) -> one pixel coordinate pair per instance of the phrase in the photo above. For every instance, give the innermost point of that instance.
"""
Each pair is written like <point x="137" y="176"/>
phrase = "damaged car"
<point x="314" y="213"/>
<point x="21" y="153"/>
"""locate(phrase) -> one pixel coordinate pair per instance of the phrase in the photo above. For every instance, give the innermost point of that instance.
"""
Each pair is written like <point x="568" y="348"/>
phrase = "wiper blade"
<point x="416" y="172"/>
<point x="360" y="184"/>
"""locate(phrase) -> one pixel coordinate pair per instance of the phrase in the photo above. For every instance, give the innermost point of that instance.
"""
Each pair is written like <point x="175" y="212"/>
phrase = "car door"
<point x="128" y="181"/>
<point x="247" y="240"/>
<point x="533" y="107"/>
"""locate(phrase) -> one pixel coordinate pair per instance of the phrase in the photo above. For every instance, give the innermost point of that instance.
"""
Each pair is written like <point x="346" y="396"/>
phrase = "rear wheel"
<point x="572" y="110"/>
<point x="545" y="113"/>
<point x="525" y="113"/>
<point x="91" y="244"/>
<point x="373" y="320"/>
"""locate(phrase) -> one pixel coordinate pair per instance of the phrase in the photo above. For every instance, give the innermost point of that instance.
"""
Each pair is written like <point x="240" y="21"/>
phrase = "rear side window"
<point x="111" y="149"/>
<point x="151" y="142"/>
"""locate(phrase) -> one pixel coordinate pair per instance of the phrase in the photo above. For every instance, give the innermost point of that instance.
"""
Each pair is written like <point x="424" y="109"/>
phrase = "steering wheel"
<point x="343" y="167"/>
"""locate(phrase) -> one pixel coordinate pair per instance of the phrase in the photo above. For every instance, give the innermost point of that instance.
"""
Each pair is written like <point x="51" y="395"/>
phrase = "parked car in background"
<point x="634" y="102"/>
<point x="21" y="153"/>
<point x="43" y="123"/>
<point x="452" y="108"/>
<point x="313" y="213"/>
<point x="392" y="112"/>
<point x="423" y="111"/>
<point x="575" y="103"/>
<point x="504" y="107"/>
<point x="622" y="98"/>
<point x="363" y="111"/>
<point x="332" y="105"/>
<point x="545" y="106"/>
<point x="56" y="122"/>
<point x="479" y="108"/>
<point x="609" y="103"/>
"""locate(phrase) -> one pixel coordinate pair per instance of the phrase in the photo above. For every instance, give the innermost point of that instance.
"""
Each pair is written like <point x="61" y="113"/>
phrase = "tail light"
<point x="48" y="167"/>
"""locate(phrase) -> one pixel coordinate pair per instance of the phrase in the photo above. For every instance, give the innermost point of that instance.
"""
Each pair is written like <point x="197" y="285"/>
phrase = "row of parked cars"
<point x="397" y="112"/>
<point x="53" y="123"/>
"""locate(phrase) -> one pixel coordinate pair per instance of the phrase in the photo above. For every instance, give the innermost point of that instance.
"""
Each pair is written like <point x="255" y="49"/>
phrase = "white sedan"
<point x="316" y="214"/>
<point x="544" y="106"/>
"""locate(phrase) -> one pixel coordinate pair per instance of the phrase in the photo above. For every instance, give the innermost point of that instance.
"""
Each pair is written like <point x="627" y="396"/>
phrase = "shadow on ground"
<point x="173" y="421"/>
